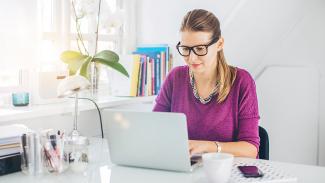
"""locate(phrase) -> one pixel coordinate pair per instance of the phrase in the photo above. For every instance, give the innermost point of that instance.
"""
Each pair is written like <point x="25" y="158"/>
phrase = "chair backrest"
<point x="264" y="144"/>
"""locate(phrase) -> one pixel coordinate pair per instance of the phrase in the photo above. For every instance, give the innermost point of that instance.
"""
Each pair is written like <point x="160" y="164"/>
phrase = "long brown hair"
<point x="199" y="20"/>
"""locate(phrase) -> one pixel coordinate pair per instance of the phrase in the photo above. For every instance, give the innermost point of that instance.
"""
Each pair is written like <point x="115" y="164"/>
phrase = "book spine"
<point x="148" y="87"/>
<point x="170" y="62"/>
<point x="144" y="78"/>
<point x="135" y="75"/>
<point x="163" y="66"/>
<point x="157" y="75"/>
<point x="140" y="75"/>
<point x="153" y="76"/>
<point x="167" y="60"/>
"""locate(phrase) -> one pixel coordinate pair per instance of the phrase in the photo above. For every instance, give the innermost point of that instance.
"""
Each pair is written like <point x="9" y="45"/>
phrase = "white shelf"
<point x="34" y="111"/>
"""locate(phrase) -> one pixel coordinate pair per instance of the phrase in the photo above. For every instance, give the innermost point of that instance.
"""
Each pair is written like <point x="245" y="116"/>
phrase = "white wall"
<point x="159" y="21"/>
<point x="293" y="131"/>
<point x="258" y="34"/>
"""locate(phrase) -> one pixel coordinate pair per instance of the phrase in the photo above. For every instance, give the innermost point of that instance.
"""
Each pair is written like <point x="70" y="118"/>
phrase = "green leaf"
<point x="74" y="67"/>
<point x="74" y="60"/>
<point x="84" y="68"/>
<point x="107" y="55"/>
<point x="114" y="65"/>
<point x="72" y="56"/>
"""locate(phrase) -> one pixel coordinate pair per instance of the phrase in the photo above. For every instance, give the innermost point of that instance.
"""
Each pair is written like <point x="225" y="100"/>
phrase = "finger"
<point x="190" y="144"/>
<point x="195" y="151"/>
<point x="190" y="152"/>
<point x="190" y="149"/>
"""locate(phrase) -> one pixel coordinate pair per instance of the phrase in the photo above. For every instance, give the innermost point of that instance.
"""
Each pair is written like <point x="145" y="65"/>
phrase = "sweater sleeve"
<point x="248" y="116"/>
<point x="163" y="100"/>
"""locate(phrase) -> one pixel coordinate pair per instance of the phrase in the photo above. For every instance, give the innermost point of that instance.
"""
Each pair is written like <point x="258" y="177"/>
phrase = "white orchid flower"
<point x="85" y="7"/>
<point x="111" y="20"/>
<point x="71" y="85"/>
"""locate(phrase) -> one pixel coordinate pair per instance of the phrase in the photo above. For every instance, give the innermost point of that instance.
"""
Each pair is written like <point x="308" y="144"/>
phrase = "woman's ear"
<point x="220" y="44"/>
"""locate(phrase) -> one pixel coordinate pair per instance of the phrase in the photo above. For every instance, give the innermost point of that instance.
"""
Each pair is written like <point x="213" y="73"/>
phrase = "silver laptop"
<point x="155" y="140"/>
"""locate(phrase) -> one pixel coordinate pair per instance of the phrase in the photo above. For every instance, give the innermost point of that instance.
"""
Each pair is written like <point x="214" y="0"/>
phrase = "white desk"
<point x="102" y="170"/>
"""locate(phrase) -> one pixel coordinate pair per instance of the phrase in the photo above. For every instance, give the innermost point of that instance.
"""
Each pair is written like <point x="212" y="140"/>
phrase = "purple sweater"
<point x="235" y="119"/>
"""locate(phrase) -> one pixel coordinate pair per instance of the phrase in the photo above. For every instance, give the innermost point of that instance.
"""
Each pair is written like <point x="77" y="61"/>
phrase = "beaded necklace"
<point x="196" y="94"/>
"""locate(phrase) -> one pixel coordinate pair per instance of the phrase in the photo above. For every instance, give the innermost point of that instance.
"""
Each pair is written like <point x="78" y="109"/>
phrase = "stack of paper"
<point x="10" y="139"/>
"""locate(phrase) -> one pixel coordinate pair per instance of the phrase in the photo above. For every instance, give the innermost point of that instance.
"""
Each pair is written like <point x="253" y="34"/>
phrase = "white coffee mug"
<point x="217" y="166"/>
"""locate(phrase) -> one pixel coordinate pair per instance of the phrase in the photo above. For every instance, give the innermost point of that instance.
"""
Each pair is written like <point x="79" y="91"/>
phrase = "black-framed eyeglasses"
<point x="199" y="50"/>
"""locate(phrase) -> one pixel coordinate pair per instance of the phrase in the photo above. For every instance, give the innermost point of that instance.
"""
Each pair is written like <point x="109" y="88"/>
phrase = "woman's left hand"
<point x="199" y="147"/>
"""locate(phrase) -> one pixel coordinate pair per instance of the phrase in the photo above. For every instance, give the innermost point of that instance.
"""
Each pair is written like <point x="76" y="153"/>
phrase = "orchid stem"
<point x="96" y="43"/>
<point x="79" y="35"/>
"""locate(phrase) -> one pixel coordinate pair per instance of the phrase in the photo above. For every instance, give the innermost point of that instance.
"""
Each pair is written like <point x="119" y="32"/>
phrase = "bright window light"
<point x="9" y="78"/>
<point x="39" y="30"/>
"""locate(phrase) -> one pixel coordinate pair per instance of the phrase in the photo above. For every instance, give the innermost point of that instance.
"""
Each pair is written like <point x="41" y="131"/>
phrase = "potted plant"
<point x="81" y="61"/>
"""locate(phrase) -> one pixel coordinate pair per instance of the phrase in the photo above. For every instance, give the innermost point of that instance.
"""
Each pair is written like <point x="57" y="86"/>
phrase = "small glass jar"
<point x="76" y="149"/>
<point x="20" y="99"/>
<point x="53" y="157"/>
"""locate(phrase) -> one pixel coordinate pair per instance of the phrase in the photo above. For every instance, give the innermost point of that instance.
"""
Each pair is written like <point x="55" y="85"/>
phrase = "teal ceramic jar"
<point x="20" y="99"/>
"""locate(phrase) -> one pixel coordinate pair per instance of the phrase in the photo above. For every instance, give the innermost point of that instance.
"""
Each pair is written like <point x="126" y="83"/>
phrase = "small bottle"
<point x="30" y="156"/>
<point x="77" y="151"/>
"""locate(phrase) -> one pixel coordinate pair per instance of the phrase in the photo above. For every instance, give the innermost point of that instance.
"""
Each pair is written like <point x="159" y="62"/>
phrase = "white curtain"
<point x="129" y="36"/>
<point x="18" y="34"/>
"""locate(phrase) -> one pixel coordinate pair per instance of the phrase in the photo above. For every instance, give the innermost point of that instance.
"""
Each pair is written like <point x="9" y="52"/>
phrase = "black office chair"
<point x="264" y="144"/>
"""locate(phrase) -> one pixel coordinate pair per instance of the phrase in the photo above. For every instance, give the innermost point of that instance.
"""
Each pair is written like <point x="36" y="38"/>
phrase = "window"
<point x="9" y="78"/>
<point x="59" y="28"/>
<point x="35" y="32"/>
<point x="17" y="37"/>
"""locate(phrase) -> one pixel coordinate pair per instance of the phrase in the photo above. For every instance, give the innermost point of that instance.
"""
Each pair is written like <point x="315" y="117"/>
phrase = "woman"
<point x="218" y="100"/>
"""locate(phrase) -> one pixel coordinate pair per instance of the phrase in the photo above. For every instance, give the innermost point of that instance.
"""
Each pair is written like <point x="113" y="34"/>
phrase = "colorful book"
<point x="153" y="76"/>
<point x="163" y="66"/>
<point x="142" y="58"/>
<point x="144" y="78"/>
<point x="156" y="48"/>
<point x="157" y="74"/>
<point x="135" y="75"/>
<point x="149" y="89"/>
<point x="153" y="66"/>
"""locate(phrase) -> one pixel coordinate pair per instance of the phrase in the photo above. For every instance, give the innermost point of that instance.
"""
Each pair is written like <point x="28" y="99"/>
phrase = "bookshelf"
<point x="151" y="64"/>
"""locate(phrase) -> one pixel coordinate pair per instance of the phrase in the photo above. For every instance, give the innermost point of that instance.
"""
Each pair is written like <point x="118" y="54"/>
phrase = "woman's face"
<point x="200" y="64"/>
